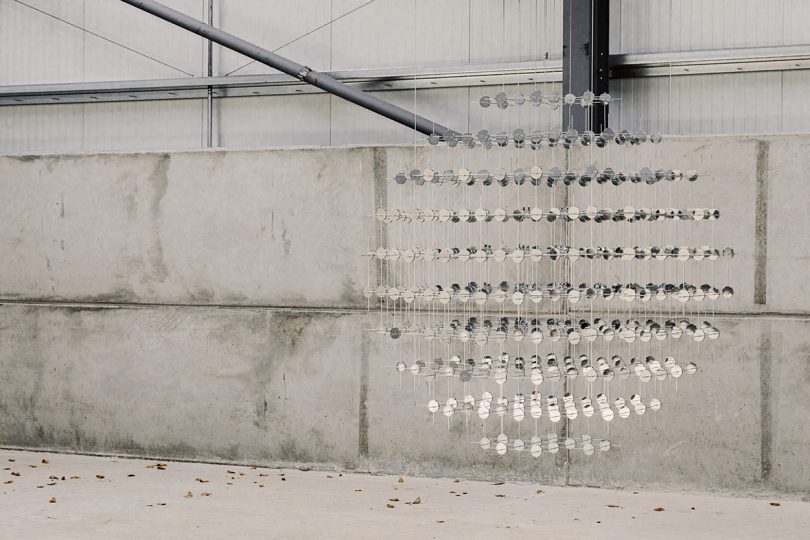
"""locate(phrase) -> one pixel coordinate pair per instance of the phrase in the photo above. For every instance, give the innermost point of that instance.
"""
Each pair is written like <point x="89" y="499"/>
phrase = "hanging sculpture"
<point x="507" y="279"/>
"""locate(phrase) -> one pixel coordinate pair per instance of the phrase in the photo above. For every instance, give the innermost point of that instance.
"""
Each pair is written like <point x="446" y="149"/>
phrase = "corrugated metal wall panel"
<point x="37" y="49"/>
<point x="685" y="25"/>
<point x="795" y="105"/>
<point x="386" y="33"/>
<point x="700" y="104"/>
<point x="41" y="128"/>
<point x="271" y="24"/>
<point x="144" y="33"/>
<point x="274" y="121"/>
<point x="150" y="125"/>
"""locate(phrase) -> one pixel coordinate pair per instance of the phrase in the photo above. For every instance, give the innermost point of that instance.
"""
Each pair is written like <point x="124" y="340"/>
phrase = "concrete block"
<point x="190" y="383"/>
<point x="786" y="356"/>
<point x="728" y="167"/>
<point x="403" y="436"/>
<point x="245" y="228"/>
<point x="788" y="218"/>
<point x="706" y="435"/>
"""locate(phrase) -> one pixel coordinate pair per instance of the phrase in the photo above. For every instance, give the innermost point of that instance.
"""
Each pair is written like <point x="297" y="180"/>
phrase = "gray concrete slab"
<point x="788" y="217"/>
<point x="242" y="228"/>
<point x="784" y="353"/>
<point x="707" y="434"/>
<point x="97" y="497"/>
<point x="182" y="382"/>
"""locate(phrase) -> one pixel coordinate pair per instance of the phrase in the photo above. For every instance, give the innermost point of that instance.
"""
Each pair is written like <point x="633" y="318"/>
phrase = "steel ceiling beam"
<point x="700" y="62"/>
<point x="704" y="62"/>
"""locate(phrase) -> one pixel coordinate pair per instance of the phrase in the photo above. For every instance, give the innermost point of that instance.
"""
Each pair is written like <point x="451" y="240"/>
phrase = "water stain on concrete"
<point x="159" y="180"/>
<point x="286" y="241"/>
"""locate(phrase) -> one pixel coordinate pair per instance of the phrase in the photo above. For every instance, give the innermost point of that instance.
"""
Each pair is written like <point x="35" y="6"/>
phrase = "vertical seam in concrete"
<point x="380" y="168"/>
<point x="761" y="225"/>
<point x="379" y="157"/>
<point x="362" y="421"/>
<point x="766" y="412"/>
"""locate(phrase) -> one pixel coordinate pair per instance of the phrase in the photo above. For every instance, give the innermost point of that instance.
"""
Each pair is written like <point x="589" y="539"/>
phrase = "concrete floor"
<point x="69" y="496"/>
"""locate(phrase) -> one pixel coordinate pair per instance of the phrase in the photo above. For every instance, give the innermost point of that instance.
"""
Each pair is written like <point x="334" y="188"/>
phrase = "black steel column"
<point x="585" y="60"/>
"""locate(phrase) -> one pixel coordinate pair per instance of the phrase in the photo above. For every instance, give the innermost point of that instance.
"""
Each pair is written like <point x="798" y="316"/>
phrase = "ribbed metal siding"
<point x="686" y="25"/>
<point x="104" y="126"/>
<point x="35" y="48"/>
<point x="387" y="33"/>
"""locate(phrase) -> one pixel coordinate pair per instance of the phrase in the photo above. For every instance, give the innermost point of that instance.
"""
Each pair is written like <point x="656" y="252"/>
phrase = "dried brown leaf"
<point x="100" y="476"/>
<point x="659" y="509"/>
<point x="401" y="480"/>
<point x="9" y="482"/>
<point x="33" y="466"/>
<point x="540" y="491"/>
<point x="389" y="505"/>
<point x="45" y="461"/>
<point x="775" y="504"/>
<point x="15" y="473"/>
<point x="202" y="481"/>
<point x="205" y="494"/>
<point x="613" y="506"/>
<point x="500" y="495"/>
<point x="395" y="499"/>
<point x="188" y="495"/>
<point x="53" y="500"/>
<point x="130" y="476"/>
<point x="74" y="477"/>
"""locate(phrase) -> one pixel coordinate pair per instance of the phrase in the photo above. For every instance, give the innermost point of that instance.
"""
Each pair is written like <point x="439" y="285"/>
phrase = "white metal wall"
<point x="35" y="48"/>
<point x="688" y="25"/>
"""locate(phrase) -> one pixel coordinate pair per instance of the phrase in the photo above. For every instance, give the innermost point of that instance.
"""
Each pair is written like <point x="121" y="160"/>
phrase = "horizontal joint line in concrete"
<point x="138" y="305"/>
<point x="376" y="310"/>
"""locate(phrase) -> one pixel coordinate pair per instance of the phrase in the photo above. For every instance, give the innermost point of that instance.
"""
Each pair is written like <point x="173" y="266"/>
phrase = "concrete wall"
<point x="207" y="305"/>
